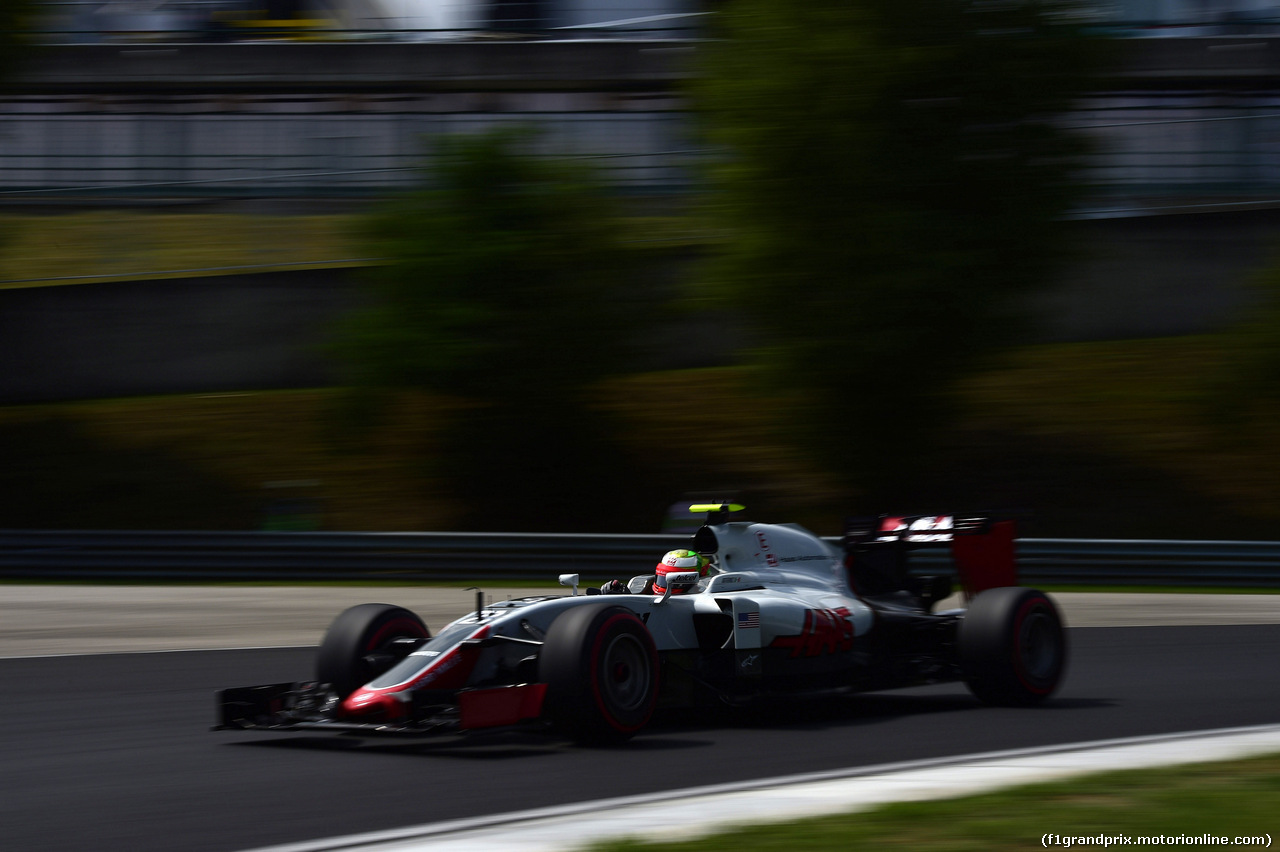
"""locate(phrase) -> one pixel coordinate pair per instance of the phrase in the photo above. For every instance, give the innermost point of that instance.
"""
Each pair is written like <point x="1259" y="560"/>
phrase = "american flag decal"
<point x="749" y="619"/>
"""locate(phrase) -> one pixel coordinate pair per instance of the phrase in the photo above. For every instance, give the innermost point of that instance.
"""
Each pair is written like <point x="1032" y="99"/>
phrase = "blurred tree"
<point x="892" y="186"/>
<point x="510" y="288"/>
<point x="17" y="19"/>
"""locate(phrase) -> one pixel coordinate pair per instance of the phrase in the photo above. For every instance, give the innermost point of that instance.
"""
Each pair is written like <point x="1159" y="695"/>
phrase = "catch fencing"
<point x="417" y="557"/>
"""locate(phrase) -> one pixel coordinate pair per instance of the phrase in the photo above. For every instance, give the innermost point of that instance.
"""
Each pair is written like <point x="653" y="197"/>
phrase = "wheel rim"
<point x="1038" y="647"/>
<point x="625" y="674"/>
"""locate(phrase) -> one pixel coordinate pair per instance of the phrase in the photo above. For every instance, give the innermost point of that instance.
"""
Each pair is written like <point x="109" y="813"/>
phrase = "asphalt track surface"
<point x="113" y="752"/>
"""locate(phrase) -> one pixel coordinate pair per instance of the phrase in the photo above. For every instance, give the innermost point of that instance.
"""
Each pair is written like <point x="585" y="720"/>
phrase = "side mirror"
<point x="637" y="585"/>
<point x="570" y="580"/>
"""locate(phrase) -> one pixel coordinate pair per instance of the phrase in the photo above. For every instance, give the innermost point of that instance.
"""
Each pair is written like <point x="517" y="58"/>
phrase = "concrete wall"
<point x="177" y="336"/>
<point x="1159" y="275"/>
<point x="142" y="69"/>
<point x="1135" y="277"/>
<point x="521" y="65"/>
<point x="1191" y="117"/>
<point x="332" y="119"/>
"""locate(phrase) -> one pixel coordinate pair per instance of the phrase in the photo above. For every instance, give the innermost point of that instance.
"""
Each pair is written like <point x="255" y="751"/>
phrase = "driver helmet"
<point x="677" y="561"/>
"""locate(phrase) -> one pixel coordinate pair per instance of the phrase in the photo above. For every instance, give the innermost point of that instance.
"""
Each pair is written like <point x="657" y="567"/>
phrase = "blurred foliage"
<point x="508" y="287"/>
<point x="17" y="23"/>
<point x="16" y="20"/>
<point x="893" y="188"/>
<point x="506" y="267"/>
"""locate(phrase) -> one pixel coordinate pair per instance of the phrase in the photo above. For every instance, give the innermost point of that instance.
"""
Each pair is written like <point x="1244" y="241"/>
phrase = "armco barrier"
<point x="1150" y="562"/>
<point x="226" y="556"/>
<point x="72" y="555"/>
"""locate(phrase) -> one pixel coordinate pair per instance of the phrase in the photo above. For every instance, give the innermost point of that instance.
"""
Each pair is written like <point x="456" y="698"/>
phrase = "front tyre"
<point x="1012" y="646"/>
<point x="363" y="642"/>
<point x="601" y="670"/>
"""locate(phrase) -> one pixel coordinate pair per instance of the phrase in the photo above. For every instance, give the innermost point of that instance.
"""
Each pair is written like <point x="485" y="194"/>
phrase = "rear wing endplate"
<point x="983" y="548"/>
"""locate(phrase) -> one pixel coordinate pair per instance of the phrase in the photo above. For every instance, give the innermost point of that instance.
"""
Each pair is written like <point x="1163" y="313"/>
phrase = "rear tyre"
<point x="1012" y="646"/>
<point x="601" y="670"/>
<point x="361" y="644"/>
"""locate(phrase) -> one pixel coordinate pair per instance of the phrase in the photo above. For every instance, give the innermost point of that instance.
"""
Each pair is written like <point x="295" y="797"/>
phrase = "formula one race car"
<point x="749" y="610"/>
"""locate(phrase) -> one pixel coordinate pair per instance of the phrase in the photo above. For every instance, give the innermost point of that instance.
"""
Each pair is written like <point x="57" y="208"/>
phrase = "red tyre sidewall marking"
<point x="595" y="681"/>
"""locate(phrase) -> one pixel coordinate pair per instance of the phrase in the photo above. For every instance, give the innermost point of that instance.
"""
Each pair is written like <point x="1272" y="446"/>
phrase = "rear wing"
<point x="983" y="548"/>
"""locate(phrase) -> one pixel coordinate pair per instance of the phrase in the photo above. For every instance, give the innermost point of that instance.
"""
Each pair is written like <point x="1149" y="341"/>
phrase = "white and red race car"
<point x="776" y="611"/>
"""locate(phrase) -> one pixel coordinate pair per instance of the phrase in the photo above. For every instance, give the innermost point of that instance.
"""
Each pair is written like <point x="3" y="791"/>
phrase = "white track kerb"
<point x="703" y="810"/>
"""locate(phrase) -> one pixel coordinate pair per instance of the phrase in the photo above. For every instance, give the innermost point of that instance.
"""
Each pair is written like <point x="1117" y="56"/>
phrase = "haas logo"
<point x="770" y="558"/>
<point x="825" y="631"/>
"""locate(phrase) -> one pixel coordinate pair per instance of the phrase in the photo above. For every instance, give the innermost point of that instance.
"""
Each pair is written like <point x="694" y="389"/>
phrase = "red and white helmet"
<point x="677" y="561"/>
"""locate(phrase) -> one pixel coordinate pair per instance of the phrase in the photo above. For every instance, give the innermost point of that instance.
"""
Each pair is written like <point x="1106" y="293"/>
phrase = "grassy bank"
<point x="1143" y="403"/>
<point x="136" y="245"/>
<point x="1096" y="439"/>
<point x="111" y="245"/>
<point x="1101" y="440"/>
<point x="1229" y="799"/>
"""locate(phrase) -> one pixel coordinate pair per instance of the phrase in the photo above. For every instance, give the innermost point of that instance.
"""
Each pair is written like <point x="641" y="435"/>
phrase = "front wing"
<point x="309" y="705"/>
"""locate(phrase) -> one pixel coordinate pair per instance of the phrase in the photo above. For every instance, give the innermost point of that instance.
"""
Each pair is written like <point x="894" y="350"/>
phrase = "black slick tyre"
<point x="361" y="644"/>
<point x="1012" y="646"/>
<point x="601" y="670"/>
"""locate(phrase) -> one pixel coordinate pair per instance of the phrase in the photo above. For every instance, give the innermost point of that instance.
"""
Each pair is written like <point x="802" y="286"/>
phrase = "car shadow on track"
<point x="864" y="708"/>
<point x="478" y="745"/>
<point x="674" y="730"/>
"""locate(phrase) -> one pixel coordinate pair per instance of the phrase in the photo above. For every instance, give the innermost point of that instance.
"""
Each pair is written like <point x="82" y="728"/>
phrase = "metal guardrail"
<point x="1150" y="562"/>
<point x="74" y="555"/>
<point x="410" y="557"/>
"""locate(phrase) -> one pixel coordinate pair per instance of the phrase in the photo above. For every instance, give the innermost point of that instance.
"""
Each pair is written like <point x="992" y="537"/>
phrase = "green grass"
<point x="1227" y="799"/>
<point x="118" y="245"/>
<point x="85" y="247"/>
